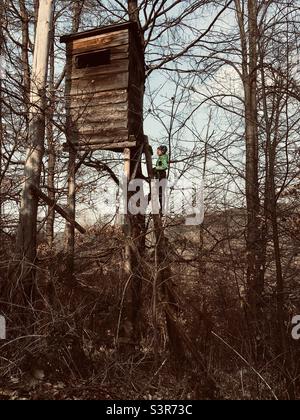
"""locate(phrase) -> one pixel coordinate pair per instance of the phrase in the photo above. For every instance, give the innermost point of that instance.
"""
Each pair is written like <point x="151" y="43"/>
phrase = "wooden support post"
<point x="156" y="218"/>
<point x="127" y="163"/>
<point x="71" y="202"/>
<point x="134" y="230"/>
<point x="127" y="221"/>
<point x="127" y="174"/>
<point x="137" y="162"/>
<point x="132" y="263"/>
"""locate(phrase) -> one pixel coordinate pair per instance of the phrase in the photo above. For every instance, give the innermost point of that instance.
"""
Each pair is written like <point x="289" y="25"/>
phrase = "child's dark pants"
<point x="160" y="175"/>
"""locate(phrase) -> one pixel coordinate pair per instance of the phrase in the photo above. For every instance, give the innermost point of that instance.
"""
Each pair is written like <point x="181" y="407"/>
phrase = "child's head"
<point x="162" y="150"/>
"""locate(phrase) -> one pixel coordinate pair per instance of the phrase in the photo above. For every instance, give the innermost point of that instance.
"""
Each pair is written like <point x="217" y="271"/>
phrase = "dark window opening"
<point x="94" y="59"/>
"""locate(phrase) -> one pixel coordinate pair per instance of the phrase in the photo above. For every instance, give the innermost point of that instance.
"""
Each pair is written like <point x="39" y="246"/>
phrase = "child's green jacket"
<point x="162" y="163"/>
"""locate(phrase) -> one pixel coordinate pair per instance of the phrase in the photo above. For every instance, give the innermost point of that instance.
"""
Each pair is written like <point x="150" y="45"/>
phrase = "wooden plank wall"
<point x="105" y="103"/>
<point x="97" y="98"/>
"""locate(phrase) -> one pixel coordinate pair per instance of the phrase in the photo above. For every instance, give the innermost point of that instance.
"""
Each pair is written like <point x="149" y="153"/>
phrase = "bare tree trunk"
<point x="133" y="10"/>
<point x="138" y="222"/>
<point x="71" y="200"/>
<point x="27" y="230"/>
<point x="36" y="6"/>
<point x="282" y="316"/>
<point x="254" y="239"/>
<point x="252" y="187"/>
<point x="25" y="58"/>
<point x="1" y="122"/>
<point x="272" y="130"/>
<point x="78" y="7"/>
<point x="71" y="206"/>
<point x="51" y="146"/>
<point x="135" y="235"/>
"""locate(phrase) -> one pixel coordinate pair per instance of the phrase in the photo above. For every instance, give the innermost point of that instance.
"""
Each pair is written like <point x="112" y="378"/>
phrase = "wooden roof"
<point x="100" y="31"/>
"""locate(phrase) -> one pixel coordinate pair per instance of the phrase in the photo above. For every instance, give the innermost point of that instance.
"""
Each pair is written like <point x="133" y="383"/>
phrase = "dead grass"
<point x="69" y="349"/>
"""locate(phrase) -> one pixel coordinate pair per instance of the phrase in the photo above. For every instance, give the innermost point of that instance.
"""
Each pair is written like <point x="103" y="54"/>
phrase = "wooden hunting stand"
<point x="105" y="88"/>
<point x="105" y="76"/>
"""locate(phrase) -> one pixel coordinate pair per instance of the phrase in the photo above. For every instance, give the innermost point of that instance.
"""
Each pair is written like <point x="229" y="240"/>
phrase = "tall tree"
<point x="135" y="225"/>
<point x="24" y="15"/>
<point x="50" y="141"/>
<point x="249" y="45"/>
<point x="27" y="229"/>
<point x="71" y="203"/>
<point x="1" y="123"/>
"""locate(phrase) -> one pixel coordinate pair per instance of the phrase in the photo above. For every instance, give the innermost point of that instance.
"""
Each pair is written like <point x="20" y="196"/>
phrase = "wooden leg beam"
<point x="57" y="208"/>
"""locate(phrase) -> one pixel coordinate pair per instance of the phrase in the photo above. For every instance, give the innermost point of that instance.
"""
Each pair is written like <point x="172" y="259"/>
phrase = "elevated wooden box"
<point x="105" y="88"/>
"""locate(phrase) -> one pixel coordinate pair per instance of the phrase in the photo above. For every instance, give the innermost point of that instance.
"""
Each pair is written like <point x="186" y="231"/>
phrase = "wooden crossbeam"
<point x="84" y="147"/>
<point x="57" y="208"/>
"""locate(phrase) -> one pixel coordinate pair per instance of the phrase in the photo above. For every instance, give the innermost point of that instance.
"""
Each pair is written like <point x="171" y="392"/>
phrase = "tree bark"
<point x="133" y="10"/>
<point x="25" y="58"/>
<point x="255" y="283"/>
<point x="27" y="229"/>
<point x="50" y="144"/>
<point x="71" y="209"/>
<point x="137" y="223"/>
<point x="134" y="230"/>
<point x="71" y="200"/>
<point x="1" y="108"/>
<point x="249" y="44"/>
<point x="282" y="315"/>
